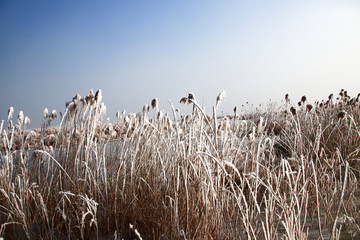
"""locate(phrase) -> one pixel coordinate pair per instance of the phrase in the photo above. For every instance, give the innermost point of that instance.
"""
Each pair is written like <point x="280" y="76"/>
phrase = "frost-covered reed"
<point x="287" y="172"/>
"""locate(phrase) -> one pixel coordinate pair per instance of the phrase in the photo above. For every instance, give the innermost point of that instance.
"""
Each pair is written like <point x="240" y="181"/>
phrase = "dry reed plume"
<point x="287" y="172"/>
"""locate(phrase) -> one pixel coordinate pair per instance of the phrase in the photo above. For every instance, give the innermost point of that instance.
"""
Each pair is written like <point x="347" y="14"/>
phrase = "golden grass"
<point x="287" y="172"/>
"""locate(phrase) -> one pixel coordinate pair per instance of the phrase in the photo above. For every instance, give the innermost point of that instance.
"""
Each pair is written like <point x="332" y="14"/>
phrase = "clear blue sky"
<point x="138" y="50"/>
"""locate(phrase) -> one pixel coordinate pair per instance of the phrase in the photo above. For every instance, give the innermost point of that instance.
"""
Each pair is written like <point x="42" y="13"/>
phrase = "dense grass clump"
<point x="288" y="172"/>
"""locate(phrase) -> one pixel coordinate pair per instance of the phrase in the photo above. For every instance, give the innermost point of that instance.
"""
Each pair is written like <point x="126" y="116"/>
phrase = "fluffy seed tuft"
<point x="53" y="114"/>
<point x="27" y="121"/>
<point x="45" y="113"/>
<point x="21" y="118"/>
<point x="220" y="98"/>
<point x="10" y="113"/>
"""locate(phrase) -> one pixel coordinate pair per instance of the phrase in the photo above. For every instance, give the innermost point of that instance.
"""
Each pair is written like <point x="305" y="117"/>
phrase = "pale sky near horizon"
<point x="138" y="50"/>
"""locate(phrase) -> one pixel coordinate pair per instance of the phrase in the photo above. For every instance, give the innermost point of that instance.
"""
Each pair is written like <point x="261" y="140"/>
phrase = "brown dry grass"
<point x="270" y="174"/>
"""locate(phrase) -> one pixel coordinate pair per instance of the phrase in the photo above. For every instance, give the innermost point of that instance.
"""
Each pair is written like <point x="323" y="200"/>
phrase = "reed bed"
<point x="286" y="172"/>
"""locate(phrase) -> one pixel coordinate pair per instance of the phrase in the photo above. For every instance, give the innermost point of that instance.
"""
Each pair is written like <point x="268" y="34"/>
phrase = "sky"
<point x="134" y="51"/>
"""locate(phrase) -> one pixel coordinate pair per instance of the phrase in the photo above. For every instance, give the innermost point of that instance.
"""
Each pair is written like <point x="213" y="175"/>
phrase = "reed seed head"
<point x="77" y="98"/>
<point x="45" y="113"/>
<point x="287" y="99"/>
<point x="21" y="117"/>
<point x="309" y="107"/>
<point x="27" y="121"/>
<point x="89" y="98"/>
<point x="160" y="115"/>
<point x="183" y="100"/>
<point x="71" y="106"/>
<point x="341" y="93"/>
<point x="10" y="113"/>
<point x="53" y="114"/>
<point x="303" y="99"/>
<point x="145" y="108"/>
<point x="98" y="95"/>
<point x="191" y="97"/>
<point x="293" y="111"/>
<point x="154" y="103"/>
<point x="221" y="97"/>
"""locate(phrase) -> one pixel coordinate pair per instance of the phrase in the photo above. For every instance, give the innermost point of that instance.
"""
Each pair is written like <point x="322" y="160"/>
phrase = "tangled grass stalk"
<point x="289" y="172"/>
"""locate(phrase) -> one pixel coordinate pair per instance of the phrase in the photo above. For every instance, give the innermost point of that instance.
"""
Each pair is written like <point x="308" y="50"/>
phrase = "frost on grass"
<point x="285" y="172"/>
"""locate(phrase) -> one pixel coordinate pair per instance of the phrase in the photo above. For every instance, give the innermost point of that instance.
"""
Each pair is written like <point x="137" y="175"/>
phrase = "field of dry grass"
<point x="287" y="172"/>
